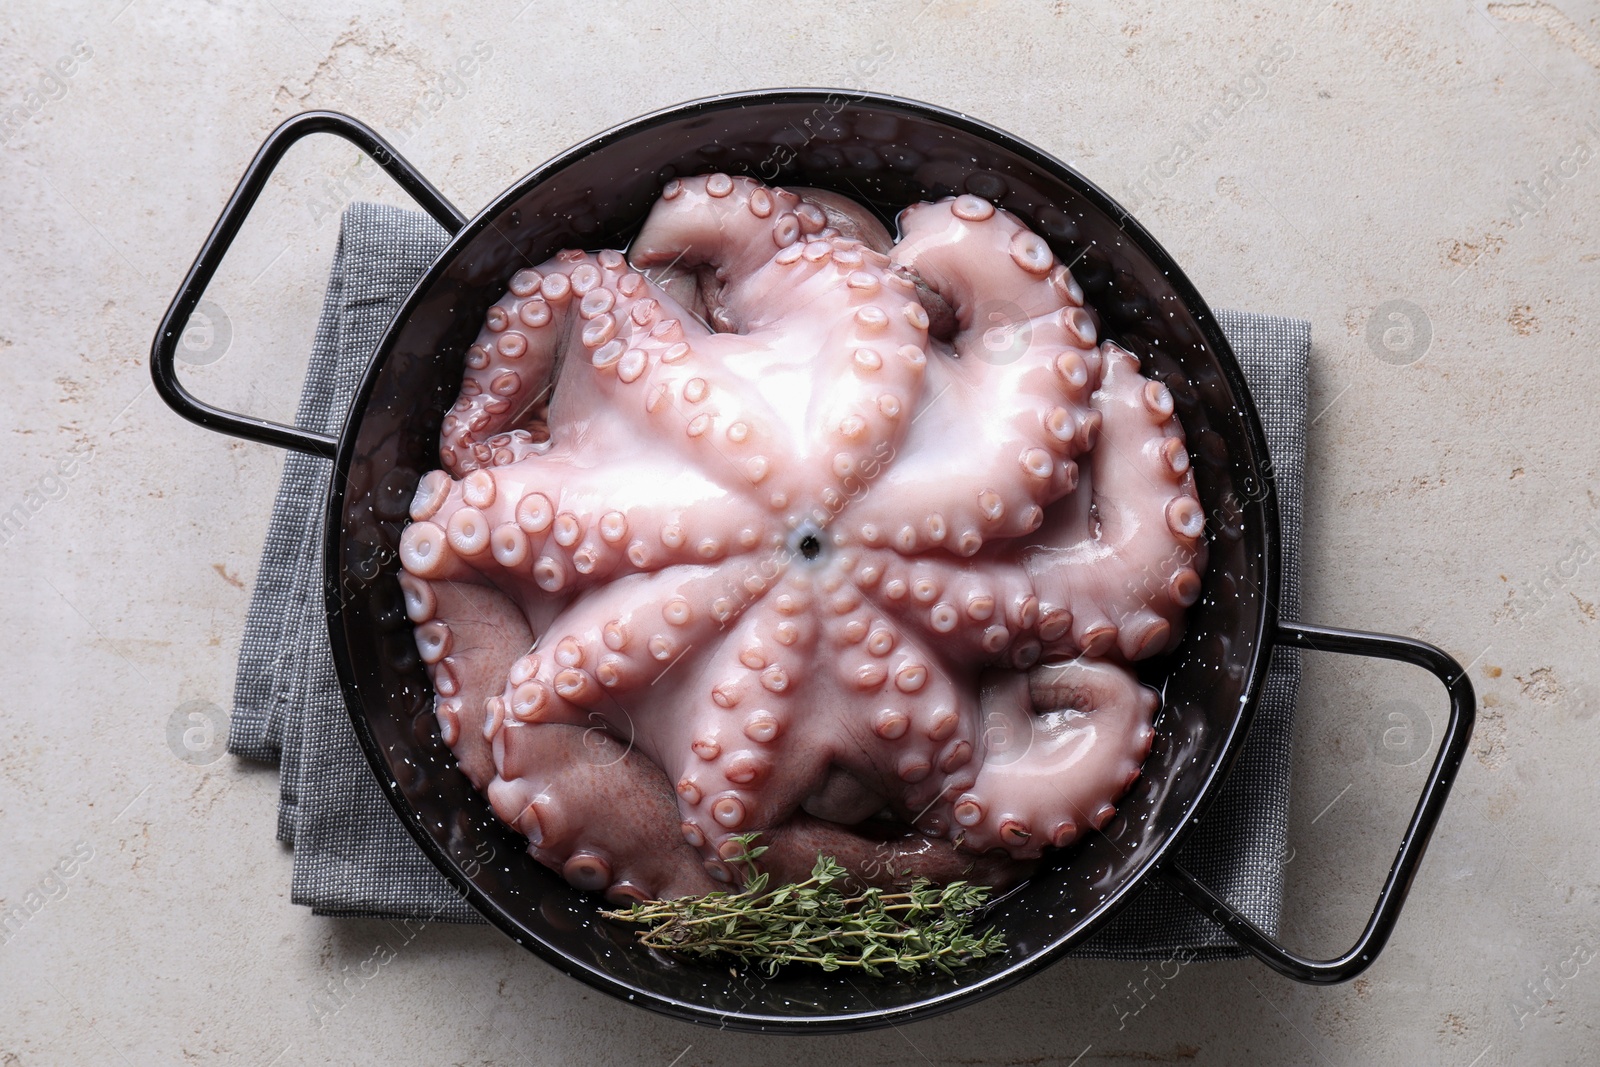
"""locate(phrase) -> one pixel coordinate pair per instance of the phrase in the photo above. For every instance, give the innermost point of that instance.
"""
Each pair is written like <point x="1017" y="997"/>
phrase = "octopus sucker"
<point x="426" y="551"/>
<point x="420" y="601"/>
<point x="431" y="493"/>
<point x="702" y="559"/>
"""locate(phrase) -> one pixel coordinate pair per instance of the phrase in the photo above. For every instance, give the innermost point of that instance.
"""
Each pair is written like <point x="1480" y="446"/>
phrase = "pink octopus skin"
<point x="819" y="569"/>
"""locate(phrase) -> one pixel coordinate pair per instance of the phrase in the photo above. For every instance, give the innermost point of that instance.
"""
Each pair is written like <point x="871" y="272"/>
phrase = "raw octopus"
<point x="778" y="524"/>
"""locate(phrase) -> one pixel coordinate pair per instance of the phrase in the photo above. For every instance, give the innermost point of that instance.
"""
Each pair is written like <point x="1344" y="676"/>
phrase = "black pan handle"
<point x="1393" y="894"/>
<point x="205" y="266"/>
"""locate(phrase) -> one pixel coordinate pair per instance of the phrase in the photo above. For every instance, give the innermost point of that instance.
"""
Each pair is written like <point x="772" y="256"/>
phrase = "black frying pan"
<point x="887" y="152"/>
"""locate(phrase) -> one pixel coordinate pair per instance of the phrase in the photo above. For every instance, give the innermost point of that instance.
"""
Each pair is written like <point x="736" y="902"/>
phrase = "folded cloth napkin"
<point x="351" y="854"/>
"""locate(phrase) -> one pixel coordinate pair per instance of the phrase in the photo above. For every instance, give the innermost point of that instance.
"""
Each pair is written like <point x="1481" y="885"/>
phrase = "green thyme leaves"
<point x="818" y="921"/>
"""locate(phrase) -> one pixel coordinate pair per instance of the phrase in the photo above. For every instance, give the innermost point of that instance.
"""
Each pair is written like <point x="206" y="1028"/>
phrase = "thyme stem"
<point x="816" y="922"/>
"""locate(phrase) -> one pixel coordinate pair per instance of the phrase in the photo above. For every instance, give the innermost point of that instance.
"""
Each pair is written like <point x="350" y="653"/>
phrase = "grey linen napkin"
<point x="351" y="854"/>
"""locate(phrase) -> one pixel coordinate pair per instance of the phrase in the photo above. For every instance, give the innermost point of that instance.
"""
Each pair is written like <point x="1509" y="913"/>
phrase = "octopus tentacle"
<point x="848" y="218"/>
<point x="981" y="611"/>
<point x="731" y="225"/>
<point x="843" y="383"/>
<point x="469" y="636"/>
<point x="622" y="639"/>
<point x="576" y="315"/>
<point x="1060" y="741"/>
<point x="919" y="727"/>
<point x="698" y="399"/>
<point x="509" y="368"/>
<point x="1124" y="556"/>
<point x="749" y="738"/>
<point x="973" y="254"/>
<point x="800" y="412"/>
<point x="546" y="526"/>
<point x="1019" y="335"/>
<point x="595" y="810"/>
<point x="889" y="860"/>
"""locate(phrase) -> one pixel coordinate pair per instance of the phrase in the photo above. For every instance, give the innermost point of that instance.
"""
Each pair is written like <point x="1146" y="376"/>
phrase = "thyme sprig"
<point x="819" y="921"/>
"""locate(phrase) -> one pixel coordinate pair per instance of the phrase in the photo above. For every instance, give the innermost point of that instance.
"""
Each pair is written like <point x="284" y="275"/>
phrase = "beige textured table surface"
<point x="1443" y="156"/>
